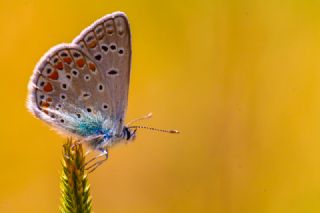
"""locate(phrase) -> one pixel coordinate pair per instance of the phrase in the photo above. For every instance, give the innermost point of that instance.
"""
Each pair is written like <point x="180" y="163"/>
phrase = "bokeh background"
<point x="239" y="78"/>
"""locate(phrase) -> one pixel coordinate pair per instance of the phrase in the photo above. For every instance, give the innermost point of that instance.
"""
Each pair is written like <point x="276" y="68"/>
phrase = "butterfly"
<point x="81" y="88"/>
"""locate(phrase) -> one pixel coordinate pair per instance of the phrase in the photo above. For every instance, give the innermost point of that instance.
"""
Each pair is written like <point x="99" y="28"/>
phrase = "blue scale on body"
<point x="93" y="127"/>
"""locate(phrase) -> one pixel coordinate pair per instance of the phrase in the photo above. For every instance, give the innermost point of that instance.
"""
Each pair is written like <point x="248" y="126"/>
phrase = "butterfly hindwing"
<point x="66" y="87"/>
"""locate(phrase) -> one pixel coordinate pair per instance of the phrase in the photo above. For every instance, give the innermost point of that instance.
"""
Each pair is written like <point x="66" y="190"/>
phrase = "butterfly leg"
<point x="95" y="165"/>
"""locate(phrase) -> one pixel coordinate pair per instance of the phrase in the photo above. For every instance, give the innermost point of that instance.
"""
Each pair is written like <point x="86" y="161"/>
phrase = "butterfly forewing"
<point x="107" y="42"/>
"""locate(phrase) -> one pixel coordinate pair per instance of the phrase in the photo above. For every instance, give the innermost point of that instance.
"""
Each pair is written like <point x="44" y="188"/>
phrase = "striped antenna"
<point x="153" y="129"/>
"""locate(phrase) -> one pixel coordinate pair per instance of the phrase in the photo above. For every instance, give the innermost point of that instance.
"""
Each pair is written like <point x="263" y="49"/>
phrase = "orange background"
<point x="238" y="78"/>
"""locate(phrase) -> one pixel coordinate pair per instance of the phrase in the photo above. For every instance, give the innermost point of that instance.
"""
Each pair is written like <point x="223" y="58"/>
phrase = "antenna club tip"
<point x="174" y="131"/>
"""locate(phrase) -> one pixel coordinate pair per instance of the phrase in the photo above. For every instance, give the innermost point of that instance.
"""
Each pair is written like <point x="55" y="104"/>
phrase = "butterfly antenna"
<point x="153" y="129"/>
<point x="148" y="116"/>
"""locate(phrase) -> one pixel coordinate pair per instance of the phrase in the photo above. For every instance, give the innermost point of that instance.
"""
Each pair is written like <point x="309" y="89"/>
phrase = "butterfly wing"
<point x="108" y="43"/>
<point x="91" y="75"/>
<point x="66" y="88"/>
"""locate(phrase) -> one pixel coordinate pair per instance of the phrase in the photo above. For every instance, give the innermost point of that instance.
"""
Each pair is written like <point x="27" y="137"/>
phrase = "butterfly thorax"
<point x="106" y="138"/>
<point x="102" y="132"/>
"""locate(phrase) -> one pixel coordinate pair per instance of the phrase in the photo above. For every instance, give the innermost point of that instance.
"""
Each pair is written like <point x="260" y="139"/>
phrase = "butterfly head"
<point x="129" y="134"/>
<point x="129" y="131"/>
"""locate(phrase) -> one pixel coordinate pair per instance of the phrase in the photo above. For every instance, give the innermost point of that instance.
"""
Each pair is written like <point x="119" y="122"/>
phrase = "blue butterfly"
<point x="81" y="88"/>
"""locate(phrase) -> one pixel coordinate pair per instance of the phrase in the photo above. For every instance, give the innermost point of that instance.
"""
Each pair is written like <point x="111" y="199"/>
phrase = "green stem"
<point x="74" y="185"/>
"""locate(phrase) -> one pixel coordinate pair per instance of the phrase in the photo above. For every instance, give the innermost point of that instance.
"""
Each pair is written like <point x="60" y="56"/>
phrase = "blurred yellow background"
<point x="239" y="78"/>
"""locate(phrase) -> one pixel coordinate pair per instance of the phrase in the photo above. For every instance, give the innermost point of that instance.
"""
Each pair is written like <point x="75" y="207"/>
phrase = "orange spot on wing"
<point x="48" y="87"/>
<point x="54" y="75"/>
<point x="59" y="65"/>
<point x="68" y="60"/>
<point x="100" y="36"/>
<point x="92" y="66"/>
<point x="92" y="44"/>
<point x="49" y="99"/>
<point x="80" y="62"/>
<point x="44" y="104"/>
